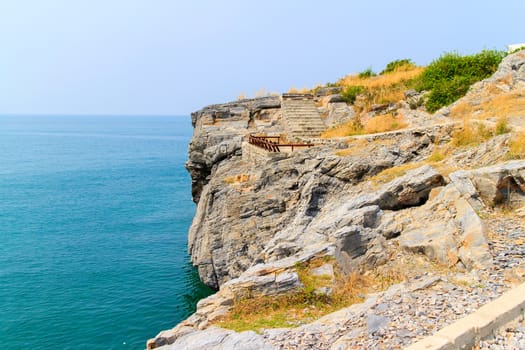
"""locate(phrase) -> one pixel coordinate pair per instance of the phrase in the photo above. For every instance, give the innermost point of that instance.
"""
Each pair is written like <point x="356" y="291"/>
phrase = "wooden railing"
<point x="273" y="143"/>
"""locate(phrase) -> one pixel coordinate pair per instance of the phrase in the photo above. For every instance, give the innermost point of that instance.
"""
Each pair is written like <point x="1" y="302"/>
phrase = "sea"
<point x="94" y="215"/>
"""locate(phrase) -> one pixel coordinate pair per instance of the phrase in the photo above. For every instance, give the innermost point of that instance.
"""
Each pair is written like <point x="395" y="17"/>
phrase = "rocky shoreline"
<point x="367" y="202"/>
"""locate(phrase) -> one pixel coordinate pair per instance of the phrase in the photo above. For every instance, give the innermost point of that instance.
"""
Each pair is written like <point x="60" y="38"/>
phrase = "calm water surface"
<point x="94" y="213"/>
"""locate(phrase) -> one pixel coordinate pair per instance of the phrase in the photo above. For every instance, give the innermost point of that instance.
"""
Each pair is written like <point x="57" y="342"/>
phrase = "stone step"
<point x="294" y="111"/>
<point x="305" y="121"/>
<point x="306" y="128"/>
<point x="298" y="130"/>
<point x="299" y="127"/>
<point x="302" y="118"/>
<point x="309" y="114"/>
<point x="309" y="118"/>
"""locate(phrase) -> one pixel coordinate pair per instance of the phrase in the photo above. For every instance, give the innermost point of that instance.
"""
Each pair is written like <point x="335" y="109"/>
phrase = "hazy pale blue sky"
<point x="173" y="57"/>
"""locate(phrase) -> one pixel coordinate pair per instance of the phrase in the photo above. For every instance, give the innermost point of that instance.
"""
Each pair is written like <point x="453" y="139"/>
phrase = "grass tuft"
<point x="471" y="134"/>
<point x="294" y="309"/>
<point x="502" y="126"/>
<point x="385" y="88"/>
<point x="499" y="106"/>
<point x="517" y="146"/>
<point x="377" y="124"/>
<point x="390" y="174"/>
<point x="385" y="122"/>
<point x="438" y="154"/>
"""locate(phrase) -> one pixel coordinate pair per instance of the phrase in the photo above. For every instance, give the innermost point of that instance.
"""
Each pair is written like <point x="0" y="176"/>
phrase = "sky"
<point x="171" y="57"/>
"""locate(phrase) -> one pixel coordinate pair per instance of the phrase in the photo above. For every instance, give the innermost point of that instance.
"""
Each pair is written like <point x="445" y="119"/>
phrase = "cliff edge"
<point x="412" y="214"/>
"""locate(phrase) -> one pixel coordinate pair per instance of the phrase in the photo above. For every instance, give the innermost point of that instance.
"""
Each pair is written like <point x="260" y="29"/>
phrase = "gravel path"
<point x="409" y="312"/>
<point x="510" y="258"/>
<point x="512" y="337"/>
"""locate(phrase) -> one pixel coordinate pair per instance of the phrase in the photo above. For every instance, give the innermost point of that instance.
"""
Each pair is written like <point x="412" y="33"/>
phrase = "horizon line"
<point x="91" y="115"/>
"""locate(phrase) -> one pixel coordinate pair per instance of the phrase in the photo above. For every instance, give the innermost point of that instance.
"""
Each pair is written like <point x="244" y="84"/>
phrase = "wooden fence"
<point x="273" y="143"/>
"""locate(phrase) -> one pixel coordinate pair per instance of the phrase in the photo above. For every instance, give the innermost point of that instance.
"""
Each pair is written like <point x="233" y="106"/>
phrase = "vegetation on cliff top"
<point x="387" y="87"/>
<point x="449" y="77"/>
<point x="446" y="79"/>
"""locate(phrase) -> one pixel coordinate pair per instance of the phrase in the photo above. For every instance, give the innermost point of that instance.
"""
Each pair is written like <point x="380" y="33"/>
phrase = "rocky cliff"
<point x="364" y="201"/>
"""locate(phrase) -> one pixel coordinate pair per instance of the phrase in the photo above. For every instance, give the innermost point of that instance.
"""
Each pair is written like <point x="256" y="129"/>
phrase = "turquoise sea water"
<point x="94" y="213"/>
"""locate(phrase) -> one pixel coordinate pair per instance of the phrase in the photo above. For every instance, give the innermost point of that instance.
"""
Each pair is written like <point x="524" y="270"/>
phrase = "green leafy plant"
<point x="502" y="126"/>
<point x="367" y="73"/>
<point x="403" y="64"/>
<point x="350" y="93"/>
<point x="449" y="77"/>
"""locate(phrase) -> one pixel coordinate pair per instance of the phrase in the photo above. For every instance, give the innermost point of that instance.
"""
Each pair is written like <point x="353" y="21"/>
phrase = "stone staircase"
<point x="301" y="117"/>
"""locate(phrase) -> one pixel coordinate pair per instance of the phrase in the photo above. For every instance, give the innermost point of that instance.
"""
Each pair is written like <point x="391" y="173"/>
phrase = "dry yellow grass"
<point x="497" y="106"/>
<point x="303" y="90"/>
<point x="350" y="151"/>
<point x="353" y="127"/>
<point x="384" y="80"/>
<point x="380" y="123"/>
<point x="383" y="88"/>
<point x="390" y="174"/>
<point x="293" y="309"/>
<point x="517" y="146"/>
<point x="434" y="160"/>
<point x="438" y="154"/>
<point x="385" y="122"/>
<point x="358" y="147"/>
<point x="471" y="134"/>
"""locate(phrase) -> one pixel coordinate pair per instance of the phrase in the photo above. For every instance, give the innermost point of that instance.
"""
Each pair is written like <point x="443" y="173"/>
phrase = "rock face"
<point x="267" y="214"/>
<point x="219" y="130"/>
<point x="256" y="220"/>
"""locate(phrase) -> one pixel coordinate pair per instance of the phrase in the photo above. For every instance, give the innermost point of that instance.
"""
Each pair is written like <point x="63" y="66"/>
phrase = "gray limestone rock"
<point x="215" y="338"/>
<point x="374" y="323"/>
<point x="338" y="112"/>
<point x="324" y="270"/>
<point x="448" y="229"/>
<point x="501" y="184"/>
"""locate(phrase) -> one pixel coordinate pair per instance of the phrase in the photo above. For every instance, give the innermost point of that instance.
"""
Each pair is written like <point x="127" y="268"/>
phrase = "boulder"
<point x="215" y="338"/>
<point x="501" y="184"/>
<point x="337" y="112"/>
<point x="448" y="230"/>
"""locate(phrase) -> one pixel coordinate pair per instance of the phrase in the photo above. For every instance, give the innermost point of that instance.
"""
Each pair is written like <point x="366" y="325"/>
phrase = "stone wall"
<point x="257" y="155"/>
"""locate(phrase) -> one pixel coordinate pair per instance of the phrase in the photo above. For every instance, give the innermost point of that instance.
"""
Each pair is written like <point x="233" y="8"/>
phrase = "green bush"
<point x="367" y="73"/>
<point x="517" y="50"/>
<point x="397" y="64"/>
<point x="350" y="93"/>
<point x="449" y="77"/>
